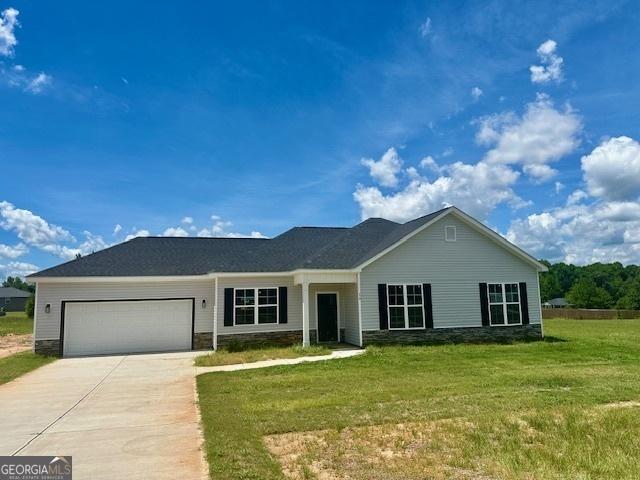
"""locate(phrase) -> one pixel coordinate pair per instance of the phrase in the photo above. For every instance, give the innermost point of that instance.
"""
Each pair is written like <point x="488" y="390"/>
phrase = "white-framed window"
<point x="504" y="304"/>
<point x="252" y="306"/>
<point x="450" y="233"/>
<point x="405" y="303"/>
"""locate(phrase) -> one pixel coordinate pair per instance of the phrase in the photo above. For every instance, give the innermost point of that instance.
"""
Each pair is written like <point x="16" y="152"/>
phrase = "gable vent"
<point x="450" y="233"/>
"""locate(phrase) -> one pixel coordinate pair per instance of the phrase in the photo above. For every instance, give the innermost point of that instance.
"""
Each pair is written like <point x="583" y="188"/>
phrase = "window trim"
<point x="455" y="233"/>
<point x="406" y="307"/>
<point x="256" y="306"/>
<point x="504" y="304"/>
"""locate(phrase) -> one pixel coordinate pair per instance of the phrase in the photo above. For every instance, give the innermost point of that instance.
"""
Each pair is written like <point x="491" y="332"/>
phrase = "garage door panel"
<point x="127" y="326"/>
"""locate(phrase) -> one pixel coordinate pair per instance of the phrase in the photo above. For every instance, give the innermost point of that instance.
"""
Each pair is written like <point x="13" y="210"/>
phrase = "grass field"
<point x="224" y="357"/>
<point x="20" y="363"/>
<point x="16" y="323"/>
<point x="566" y="407"/>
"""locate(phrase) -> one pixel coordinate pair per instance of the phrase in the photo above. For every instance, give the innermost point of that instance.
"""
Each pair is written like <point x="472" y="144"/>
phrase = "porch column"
<point x="305" y="314"/>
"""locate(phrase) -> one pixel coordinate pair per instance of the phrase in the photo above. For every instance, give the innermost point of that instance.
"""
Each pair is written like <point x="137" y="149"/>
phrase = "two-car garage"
<point x="126" y="326"/>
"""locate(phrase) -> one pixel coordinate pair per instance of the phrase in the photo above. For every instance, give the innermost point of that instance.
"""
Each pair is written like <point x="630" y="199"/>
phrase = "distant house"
<point x="13" y="299"/>
<point x="556" y="303"/>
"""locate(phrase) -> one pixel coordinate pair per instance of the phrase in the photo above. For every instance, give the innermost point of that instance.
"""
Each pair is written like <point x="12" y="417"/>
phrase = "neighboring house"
<point x="13" y="299"/>
<point x="556" y="303"/>
<point x="441" y="277"/>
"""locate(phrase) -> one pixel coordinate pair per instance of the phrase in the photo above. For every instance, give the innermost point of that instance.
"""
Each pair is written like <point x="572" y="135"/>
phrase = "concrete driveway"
<point x="131" y="416"/>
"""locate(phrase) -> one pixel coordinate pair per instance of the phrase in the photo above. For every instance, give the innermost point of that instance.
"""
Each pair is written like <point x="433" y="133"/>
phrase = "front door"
<point x="327" y="317"/>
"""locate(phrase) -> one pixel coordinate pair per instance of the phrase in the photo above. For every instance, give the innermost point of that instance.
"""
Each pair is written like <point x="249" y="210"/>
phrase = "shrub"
<point x="29" y="306"/>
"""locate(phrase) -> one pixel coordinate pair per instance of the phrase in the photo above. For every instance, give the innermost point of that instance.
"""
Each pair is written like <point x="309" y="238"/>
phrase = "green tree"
<point x="17" y="282"/>
<point x="585" y="293"/>
<point x="630" y="299"/>
<point x="29" y="306"/>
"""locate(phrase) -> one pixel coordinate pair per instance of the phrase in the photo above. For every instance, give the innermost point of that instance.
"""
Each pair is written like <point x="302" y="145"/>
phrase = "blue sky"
<point x="118" y="119"/>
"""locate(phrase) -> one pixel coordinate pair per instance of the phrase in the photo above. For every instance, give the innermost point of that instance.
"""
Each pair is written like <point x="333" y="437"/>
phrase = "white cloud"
<point x="137" y="233"/>
<point x="13" y="252"/>
<point x="542" y="135"/>
<point x="531" y="141"/>
<point x="576" y="197"/>
<point x="30" y="228"/>
<point x="477" y="189"/>
<point x="559" y="186"/>
<point x="175" y="232"/>
<point x="187" y="220"/>
<point x="18" y="269"/>
<point x="220" y="229"/>
<point x="385" y="170"/>
<point x="425" y="27"/>
<point x="117" y="229"/>
<point x="8" y="23"/>
<point x="476" y="93"/>
<point x="38" y="83"/>
<point x="612" y="169"/>
<point x="551" y="64"/>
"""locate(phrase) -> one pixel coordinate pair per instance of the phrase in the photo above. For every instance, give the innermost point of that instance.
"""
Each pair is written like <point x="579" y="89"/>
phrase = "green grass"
<point x="16" y="323"/>
<point x="18" y="364"/>
<point x="224" y="357"/>
<point x="543" y="409"/>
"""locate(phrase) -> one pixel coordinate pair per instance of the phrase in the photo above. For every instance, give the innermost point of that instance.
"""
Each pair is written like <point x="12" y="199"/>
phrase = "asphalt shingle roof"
<point x="11" y="292"/>
<point x="297" y="248"/>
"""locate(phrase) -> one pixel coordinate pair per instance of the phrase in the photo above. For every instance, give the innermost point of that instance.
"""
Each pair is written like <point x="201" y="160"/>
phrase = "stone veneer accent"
<point x="203" y="341"/>
<point x="48" y="347"/>
<point x="276" y="338"/>
<point x="454" y="335"/>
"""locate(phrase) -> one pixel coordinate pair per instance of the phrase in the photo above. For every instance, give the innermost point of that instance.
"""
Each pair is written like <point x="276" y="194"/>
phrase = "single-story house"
<point x="441" y="277"/>
<point x="13" y="299"/>
<point x="556" y="303"/>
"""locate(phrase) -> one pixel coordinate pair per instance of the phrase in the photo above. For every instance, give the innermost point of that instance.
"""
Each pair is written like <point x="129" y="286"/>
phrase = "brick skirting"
<point x="48" y="347"/>
<point x="276" y="338"/>
<point x="203" y="341"/>
<point x="454" y="335"/>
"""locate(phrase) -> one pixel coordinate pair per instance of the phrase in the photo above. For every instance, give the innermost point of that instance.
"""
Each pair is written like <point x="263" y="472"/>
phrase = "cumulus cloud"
<point x="187" y="220"/>
<point x="476" y="93"/>
<point x="8" y="23"/>
<point x="30" y="228"/>
<point x="16" y="251"/>
<point x="517" y="144"/>
<point x="175" y="232"/>
<point x="220" y="228"/>
<point x="550" y="68"/>
<point x="17" y="269"/>
<point x="612" y="170"/>
<point x="117" y="229"/>
<point x="542" y="135"/>
<point x="137" y="233"/>
<point x="385" y="171"/>
<point x="600" y="226"/>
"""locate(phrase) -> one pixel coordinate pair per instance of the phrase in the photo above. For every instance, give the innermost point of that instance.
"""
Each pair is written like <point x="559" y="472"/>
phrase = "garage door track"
<point x="128" y="417"/>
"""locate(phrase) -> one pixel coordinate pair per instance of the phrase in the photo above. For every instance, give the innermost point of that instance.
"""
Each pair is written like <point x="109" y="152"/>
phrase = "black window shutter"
<point x="524" y="303"/>
<point x="228" y="307"/>
<point x="426" y="291"/>
<point x="484" y="304"/>
<point x="282" y="304"/>
<point x="382" y="306"/>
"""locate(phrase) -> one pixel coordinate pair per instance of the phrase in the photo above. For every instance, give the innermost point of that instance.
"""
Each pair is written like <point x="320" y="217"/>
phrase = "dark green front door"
<point x="327" y="317"/>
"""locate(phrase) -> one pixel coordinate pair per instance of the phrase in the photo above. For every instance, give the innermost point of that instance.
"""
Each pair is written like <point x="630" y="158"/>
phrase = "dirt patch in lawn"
<point x="395" y="451"/>
<point x="10" y="344"/>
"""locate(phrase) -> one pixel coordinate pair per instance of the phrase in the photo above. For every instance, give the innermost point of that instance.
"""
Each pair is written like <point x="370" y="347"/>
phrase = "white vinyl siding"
<point x="348" y="303"/>
<point x="294" y="303"/>
<point x="454" y="270"/>
<point x="48" y="324"/>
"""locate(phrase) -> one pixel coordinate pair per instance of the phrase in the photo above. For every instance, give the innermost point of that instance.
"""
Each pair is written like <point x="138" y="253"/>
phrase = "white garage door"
<point x="94" y="328"/>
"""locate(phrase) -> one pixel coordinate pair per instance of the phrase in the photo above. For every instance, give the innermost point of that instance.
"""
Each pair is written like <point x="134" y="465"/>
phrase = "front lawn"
<point x="225" y="357"/>
<point x="18" y="364"/>
<point x="567" y="407"/>
<point x="17" y="323"/>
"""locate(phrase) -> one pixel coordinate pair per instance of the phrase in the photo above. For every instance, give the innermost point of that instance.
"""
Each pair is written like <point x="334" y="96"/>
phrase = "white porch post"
<point x="305" y="314"/>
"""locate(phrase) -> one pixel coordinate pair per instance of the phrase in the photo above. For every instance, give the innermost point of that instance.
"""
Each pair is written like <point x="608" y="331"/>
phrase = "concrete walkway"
<point x="131" y="417"/>
<point x="343" y="353"/>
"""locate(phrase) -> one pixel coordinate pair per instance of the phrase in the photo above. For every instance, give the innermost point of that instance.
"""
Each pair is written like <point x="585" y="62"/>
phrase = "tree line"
<point x="599" y="285"/>
<point x="17" y="282"/>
